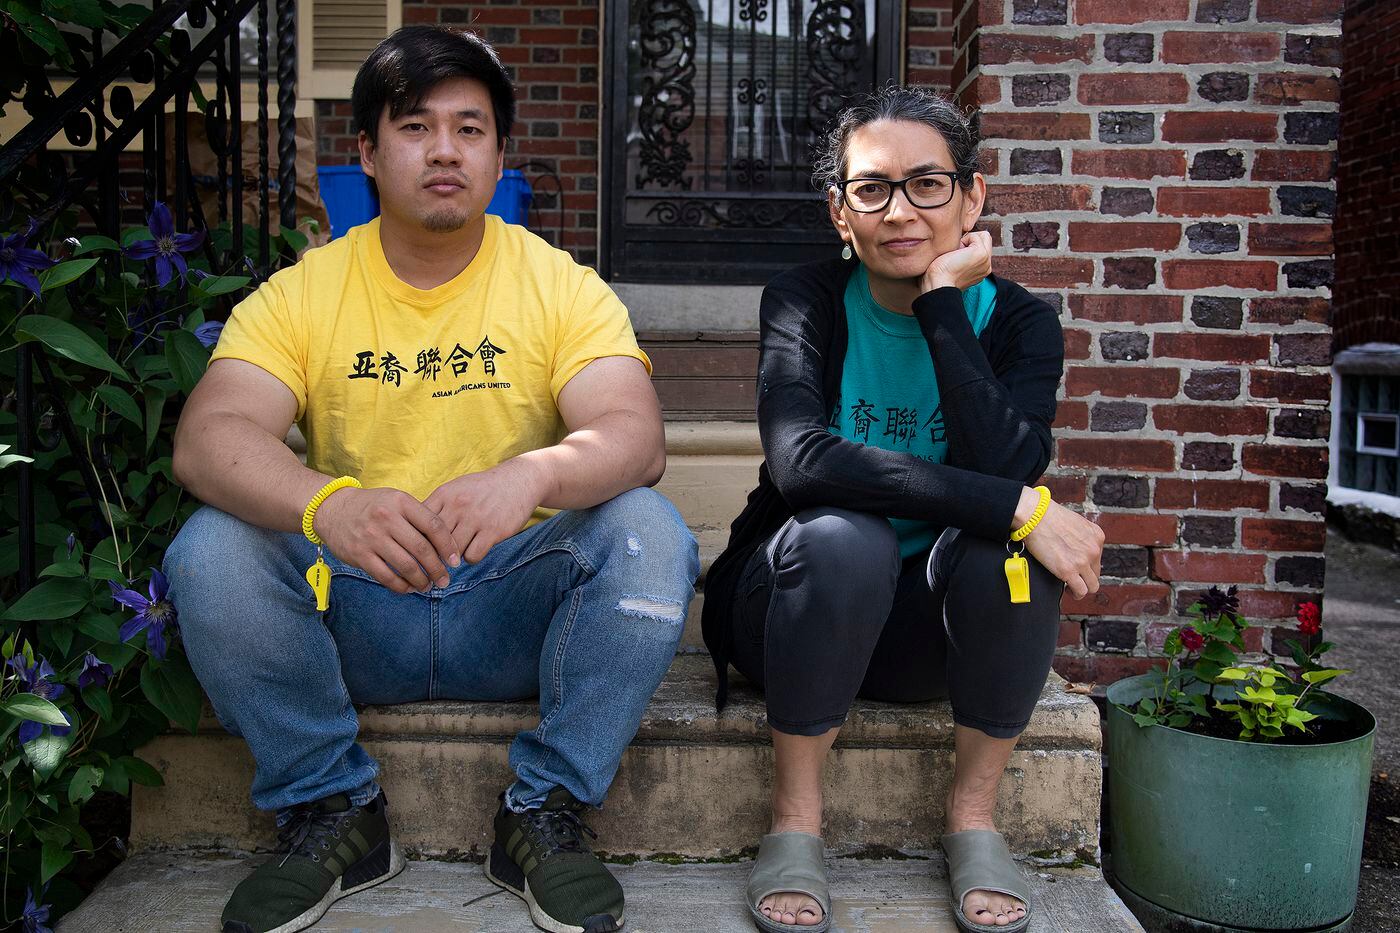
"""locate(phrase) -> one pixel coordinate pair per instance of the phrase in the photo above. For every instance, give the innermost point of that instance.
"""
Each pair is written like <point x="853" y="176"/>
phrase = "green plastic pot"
<point x="1237" y="835"/>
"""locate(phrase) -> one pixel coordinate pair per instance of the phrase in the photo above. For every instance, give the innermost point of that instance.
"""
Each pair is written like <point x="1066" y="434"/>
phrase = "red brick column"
<point x="1162" y="171"/>
<point x="1366" y="303"/>
<point x="552" y="51"/>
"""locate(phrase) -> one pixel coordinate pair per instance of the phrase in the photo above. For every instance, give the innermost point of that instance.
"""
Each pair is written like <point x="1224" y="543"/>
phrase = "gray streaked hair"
<point x="892" y="102"/>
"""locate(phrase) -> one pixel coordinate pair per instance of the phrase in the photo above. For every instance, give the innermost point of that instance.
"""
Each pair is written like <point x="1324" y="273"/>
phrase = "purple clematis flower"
<point x="19" y="263"/>
<point x="95" y="672"/>
<point x="167" y="246"/>
<point x="35" y="919"/>
<point x="38" y="680"/>
<point x="208" y="332"/>
<point x="153" y="615"/>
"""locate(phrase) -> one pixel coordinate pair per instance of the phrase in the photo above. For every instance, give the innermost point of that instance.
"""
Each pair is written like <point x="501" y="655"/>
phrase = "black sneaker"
<point x="542" y="857"/>
<point x="330" y="850"/>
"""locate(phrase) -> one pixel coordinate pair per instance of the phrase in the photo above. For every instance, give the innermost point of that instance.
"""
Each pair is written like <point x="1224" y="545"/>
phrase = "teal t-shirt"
<point x="889" y="396"/>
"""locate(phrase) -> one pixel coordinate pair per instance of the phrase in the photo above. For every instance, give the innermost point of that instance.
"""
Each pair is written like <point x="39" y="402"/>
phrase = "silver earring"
<point x="846" y="251"/>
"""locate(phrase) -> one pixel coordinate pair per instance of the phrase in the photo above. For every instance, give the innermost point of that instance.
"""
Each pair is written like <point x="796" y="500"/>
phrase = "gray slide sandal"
<point x="789" y="862"/>
<point x="978" y="860"/>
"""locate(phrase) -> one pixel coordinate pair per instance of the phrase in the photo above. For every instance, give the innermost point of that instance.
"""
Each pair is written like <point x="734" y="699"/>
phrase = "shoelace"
<point x="559" y="830"/>
<point x="307" y="831"/>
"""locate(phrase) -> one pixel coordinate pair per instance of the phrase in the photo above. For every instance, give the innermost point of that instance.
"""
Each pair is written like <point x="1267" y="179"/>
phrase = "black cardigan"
<point x="998" y="398"/>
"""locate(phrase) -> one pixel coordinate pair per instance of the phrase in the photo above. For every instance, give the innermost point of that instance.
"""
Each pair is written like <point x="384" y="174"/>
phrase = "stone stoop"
<point x="181" y="892"/>
<point x="711" y="467"/>
<point x="693" y="783"/>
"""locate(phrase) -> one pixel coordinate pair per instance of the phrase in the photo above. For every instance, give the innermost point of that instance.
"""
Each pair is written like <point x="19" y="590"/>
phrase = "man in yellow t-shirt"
<point x="487" y="397"/>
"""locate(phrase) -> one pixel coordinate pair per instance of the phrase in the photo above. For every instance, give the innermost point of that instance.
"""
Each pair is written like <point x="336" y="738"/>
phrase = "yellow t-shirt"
<point x="404" y="387"/>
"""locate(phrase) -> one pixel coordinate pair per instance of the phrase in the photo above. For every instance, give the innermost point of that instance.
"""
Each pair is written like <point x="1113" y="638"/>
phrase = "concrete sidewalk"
<point x="1361" y="614"/>
<point x="183" y="893"/>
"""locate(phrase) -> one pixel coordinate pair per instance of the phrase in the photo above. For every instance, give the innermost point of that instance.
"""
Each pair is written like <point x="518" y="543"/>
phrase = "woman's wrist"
<point x="1025" y="507"/>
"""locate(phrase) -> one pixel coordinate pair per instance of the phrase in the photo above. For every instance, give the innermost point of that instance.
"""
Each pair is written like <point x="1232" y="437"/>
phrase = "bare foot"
<point x="789" y="906"/>
<point x="989" y="908"/>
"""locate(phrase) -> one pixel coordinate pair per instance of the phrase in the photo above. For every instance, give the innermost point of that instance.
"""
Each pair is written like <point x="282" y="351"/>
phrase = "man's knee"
<point x="646" y="524"/>
<point x="218" y="560"/>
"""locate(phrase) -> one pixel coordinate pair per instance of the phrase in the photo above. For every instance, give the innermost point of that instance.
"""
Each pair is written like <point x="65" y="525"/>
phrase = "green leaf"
<point x="65" y="272"/>
<point x="95" y="244"/>
<point x="84" y="783"/>
<point x="223" y="284"/>
<point x="140" y="772"/>
<point x="62" y="568"/>
<point x="114" y="778"/>
<point x="295" y="239"/>
<point x="155" y="404"/>
<point x="1219" y="653"/>
<point x="36" y="708"/>
<point x="102" y="565"/>
<point x="52" y="599"/>
<point x="66" y="340"/>
<point x="1321" y="677"/>
<point x="171" y="687"/>
<point x="98" y="701"/>
<point x="8" y="459"/>
<point x="187" y="357"/>
<point x="120" y="402"/>
<point x="46" y="752"/>
<point x="135" y="235"/>
<point x="53" y="861"/>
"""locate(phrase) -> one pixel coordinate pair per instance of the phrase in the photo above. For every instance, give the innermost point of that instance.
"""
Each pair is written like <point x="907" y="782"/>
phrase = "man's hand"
<point x="480" y="510"/>
<point x="390" y="535"/>
<point x="963" y="267"/>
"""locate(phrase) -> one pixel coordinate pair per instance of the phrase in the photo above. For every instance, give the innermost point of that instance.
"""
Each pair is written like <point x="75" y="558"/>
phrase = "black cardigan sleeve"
<point x="811" y="466"/>
<point x="997" y="413"/>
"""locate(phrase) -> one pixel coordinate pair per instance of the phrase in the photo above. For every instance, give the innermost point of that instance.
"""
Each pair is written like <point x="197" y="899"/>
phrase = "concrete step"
<point x="710" y="469"/>
<point x="185" y="893"/>
<point x="693" y="782"/>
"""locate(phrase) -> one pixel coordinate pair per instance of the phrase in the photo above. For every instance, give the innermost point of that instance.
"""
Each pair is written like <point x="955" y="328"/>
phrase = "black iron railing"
<point x="99" y="108"/>
<point x="715" y="105"/>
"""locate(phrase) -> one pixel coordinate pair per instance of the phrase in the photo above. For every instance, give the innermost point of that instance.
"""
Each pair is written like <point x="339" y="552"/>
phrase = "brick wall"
<point x="1366" y="302"/>
<point x="552" y="51"/>
<point x="928" y="55"/>
<point x="1162" y="171"/>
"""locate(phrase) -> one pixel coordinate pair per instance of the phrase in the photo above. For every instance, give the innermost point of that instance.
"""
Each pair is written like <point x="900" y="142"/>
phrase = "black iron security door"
<point x="713" y="106"/>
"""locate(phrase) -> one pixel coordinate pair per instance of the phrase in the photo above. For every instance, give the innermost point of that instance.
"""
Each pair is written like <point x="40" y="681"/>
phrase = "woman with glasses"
<point x="897" y="546"/>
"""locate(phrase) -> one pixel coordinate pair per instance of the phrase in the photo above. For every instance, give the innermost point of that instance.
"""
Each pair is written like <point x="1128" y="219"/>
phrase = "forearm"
<point x="619" y="451"/>
<point x="232" y="464"/>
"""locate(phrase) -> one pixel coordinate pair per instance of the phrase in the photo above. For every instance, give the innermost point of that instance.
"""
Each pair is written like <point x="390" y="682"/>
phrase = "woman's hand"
<point x="1069" y="546"/>
<point x="962" y="268"/>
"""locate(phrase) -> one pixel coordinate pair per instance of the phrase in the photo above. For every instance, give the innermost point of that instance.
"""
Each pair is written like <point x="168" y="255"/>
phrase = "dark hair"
<point x="917" y="105"/>
<point x="405" y="66"/>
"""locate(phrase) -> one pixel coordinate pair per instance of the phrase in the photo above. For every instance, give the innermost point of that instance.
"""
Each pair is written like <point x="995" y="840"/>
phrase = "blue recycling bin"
<point x="350" y="201"/>
<point x="511" y="202"/>
<point x="348" y="197"/>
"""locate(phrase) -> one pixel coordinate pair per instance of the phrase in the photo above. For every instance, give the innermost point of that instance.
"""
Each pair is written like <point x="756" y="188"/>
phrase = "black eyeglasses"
<point x="868" y="195"/>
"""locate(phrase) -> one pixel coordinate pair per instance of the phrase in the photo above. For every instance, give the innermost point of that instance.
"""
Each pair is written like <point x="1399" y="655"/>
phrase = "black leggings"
<point x="824" y="613"/>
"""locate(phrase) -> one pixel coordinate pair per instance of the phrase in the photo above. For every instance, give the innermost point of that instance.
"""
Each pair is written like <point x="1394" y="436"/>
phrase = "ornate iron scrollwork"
<point x="807" y="214"/>
<point x="753" y="10"/>
<point x="668" y="92"/>
<point x="836" y="50"/>
<point x="751" y="171"/>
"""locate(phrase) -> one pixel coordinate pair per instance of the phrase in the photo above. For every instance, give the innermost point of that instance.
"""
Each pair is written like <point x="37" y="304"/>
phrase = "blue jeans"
<point x="584" y="611"/>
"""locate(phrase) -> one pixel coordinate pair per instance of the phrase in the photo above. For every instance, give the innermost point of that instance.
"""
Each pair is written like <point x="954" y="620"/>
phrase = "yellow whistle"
<point x="1018" y="579"/>
<point x="319" y="576"/>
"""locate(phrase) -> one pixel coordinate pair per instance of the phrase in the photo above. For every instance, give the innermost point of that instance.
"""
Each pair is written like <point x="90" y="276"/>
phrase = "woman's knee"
<point x="840" y="546"/>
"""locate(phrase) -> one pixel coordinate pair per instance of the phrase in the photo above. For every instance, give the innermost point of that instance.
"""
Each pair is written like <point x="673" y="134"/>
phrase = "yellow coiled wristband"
<point x="309" y="516"/>
<point x="1036" y="516"/>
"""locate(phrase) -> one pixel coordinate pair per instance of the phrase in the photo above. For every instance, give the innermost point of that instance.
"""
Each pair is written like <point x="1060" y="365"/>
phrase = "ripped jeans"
<point x="583" y="610"/>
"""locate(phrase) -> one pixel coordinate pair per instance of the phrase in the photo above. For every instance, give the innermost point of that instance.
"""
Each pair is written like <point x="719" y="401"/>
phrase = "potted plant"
<point x="1237" y="791"/>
